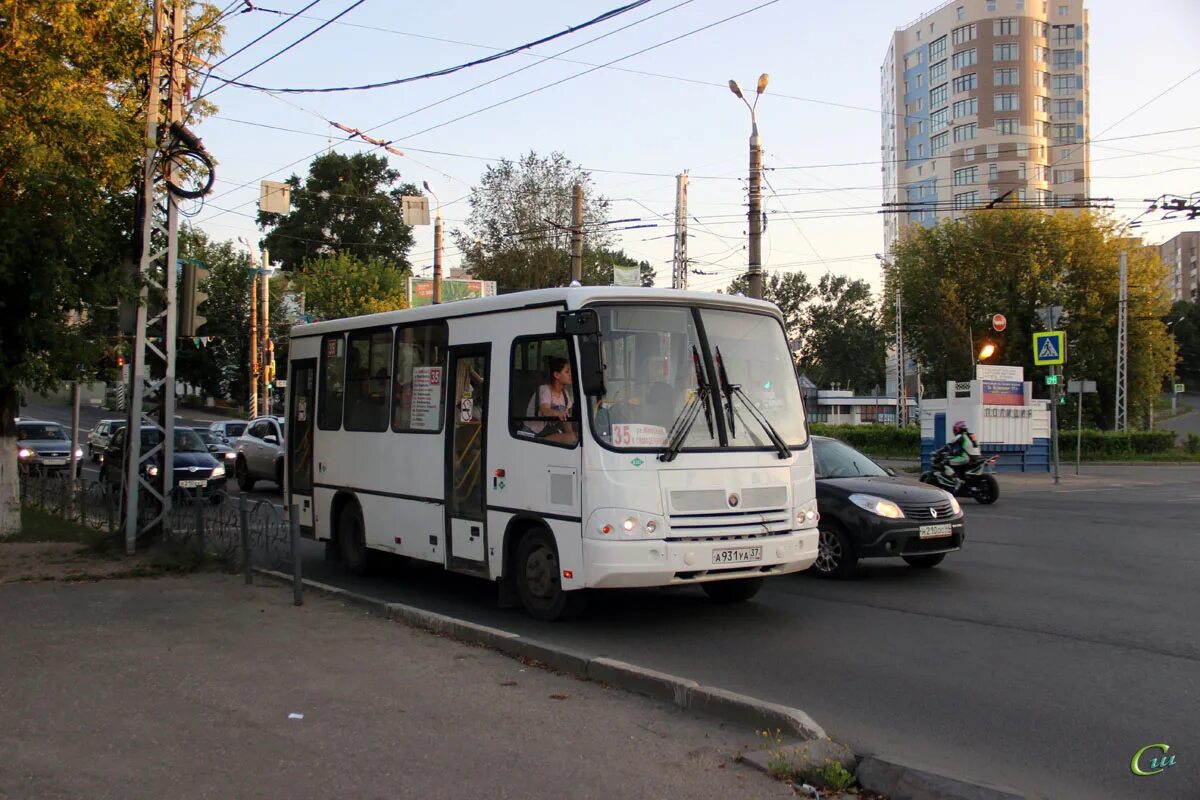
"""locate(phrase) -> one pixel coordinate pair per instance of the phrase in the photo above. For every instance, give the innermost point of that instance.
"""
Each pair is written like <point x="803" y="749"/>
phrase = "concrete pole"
<point x="75" y="429"/>
<point x="755" y="266"/>
<point x="254" y="343"/>
<point x="577" y="234"/>
<point x="266" y="332"/>
<point x="437" y="257"/>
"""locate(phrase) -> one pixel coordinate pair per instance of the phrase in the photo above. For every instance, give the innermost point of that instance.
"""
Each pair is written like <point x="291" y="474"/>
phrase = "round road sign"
<point x="999" y="322"/>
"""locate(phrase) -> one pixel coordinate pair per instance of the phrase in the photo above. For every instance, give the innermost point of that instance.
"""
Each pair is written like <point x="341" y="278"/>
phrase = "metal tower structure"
<point x="1121" y="409"/>
<point x="152" y="390"/>
<point x="679" y="274"/>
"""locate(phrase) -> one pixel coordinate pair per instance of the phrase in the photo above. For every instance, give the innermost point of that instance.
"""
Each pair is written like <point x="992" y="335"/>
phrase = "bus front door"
<point x="466" y="458"/>
<point x="299" y="430"/>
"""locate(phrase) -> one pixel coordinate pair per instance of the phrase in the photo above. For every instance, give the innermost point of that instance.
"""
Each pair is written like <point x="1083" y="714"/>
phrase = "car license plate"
<point x="54" y="462"/>
<point x="737" y="555"/>
<point x="191" y="484"/>
<point x="934" y="531"/>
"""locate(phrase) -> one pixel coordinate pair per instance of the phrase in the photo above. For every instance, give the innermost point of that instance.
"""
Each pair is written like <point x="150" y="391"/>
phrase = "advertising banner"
<point x="420" y="290"/>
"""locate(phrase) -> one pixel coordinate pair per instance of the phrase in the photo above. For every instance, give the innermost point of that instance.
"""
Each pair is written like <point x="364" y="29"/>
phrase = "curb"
<point x="895" y="779"/>
<point x="687" y="694"/>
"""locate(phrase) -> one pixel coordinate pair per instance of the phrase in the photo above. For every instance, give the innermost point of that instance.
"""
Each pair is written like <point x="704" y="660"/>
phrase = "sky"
<point x="638" y="122"/>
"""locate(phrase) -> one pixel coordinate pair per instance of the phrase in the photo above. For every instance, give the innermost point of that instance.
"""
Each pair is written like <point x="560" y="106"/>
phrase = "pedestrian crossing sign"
<point x="1049" y="347"/>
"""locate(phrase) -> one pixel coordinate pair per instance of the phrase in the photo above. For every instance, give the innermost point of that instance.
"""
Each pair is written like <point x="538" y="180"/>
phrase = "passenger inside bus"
<point x="553" y="400"/>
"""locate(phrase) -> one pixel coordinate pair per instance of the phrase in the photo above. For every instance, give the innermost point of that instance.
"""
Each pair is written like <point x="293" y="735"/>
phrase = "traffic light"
<point x="193" y="278"/>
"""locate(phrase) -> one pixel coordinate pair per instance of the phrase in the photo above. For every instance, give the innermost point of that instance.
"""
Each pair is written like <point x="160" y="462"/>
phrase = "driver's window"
<point x="542" y="403"/>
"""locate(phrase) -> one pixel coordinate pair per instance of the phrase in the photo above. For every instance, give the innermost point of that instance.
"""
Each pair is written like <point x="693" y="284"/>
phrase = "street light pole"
<point x="437" y="247"/>
<point x="754" y="272"/>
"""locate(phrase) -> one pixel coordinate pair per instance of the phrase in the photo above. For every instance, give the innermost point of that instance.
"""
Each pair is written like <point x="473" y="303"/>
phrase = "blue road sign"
<point x="1049" y="347"/>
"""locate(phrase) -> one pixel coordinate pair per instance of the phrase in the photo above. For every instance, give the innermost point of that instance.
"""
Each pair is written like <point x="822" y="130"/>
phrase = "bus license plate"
<point x="737" y="555"/>
<point x="934" y="531"/>
<point x="191" y="484"/>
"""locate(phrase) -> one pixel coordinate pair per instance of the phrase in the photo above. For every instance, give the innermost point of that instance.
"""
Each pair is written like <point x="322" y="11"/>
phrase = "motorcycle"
<point x="975" y="481"/>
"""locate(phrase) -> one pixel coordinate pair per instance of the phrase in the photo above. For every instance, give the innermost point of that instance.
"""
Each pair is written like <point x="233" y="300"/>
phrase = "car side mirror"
<point x="890" y="471"/>
<point x="270" y="439"/>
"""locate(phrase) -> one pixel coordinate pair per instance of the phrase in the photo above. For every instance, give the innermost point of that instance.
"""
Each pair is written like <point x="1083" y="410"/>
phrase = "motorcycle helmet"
<point x="959" y="427"/>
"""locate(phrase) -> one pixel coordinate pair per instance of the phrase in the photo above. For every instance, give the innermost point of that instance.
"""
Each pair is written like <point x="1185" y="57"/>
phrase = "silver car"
<point x="260" y="453"/>
<point x="44" y="447"/>
<point x="99" y="436"/>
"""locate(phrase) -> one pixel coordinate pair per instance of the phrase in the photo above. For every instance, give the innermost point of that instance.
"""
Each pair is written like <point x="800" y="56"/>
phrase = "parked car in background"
<point x="229" y="429"/>
<point x="260" y="453"/>
<point x="98" y="436"/>
<point x="196" y="472"/>
<point x="217" y="446"/>
<point x="44" y="447"/>
<point x="867" y="511"/>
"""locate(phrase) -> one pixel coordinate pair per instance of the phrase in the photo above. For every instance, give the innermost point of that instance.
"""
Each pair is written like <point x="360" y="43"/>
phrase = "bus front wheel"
<point x="539" y="581"/>
<point x="352" y="540"/>
<point x="737" y="590"/>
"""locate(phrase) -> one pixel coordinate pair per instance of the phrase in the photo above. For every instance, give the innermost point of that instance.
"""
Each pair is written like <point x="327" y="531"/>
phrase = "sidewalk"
<point x="183" y="687"/>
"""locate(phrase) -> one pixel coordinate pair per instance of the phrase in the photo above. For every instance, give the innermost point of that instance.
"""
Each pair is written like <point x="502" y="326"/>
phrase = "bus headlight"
<point x="807" y="515"/>
<point x="620" y="523"/>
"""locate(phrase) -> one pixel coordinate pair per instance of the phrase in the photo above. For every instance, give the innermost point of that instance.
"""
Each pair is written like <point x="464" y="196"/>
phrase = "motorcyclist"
<point x="960" y="451"/>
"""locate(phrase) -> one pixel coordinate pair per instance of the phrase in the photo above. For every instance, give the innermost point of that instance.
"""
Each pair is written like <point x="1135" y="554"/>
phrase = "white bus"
<point x="671" y="450"/>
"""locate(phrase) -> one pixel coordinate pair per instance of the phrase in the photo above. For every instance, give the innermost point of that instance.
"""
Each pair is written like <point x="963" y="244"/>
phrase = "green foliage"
<point x="881" y="441"/>
<point x="954" y="276"/>
<point x="1103" y="445"/>
<point x="791" y="291"/>
<point x="343" y="286"/>
<point x="348" y="205"/>
<point x="1186" y="328"/>
<point x="1193" y="444"/>
<point x="517" y="232"/>
<point x="598" y="266"/>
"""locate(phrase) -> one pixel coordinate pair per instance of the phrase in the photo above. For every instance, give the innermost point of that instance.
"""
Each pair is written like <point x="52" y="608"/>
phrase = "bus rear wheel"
<point x="738" y="590"/>
<point x="539" y="583"/>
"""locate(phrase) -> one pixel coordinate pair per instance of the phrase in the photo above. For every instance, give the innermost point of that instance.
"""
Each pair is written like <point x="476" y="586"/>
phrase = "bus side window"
<point x="419" y="365"/>
<point x="367" y="379"/>
<point x="333" y="364"/>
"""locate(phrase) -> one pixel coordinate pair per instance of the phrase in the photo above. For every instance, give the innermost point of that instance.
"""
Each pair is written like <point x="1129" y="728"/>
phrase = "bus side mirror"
<point x="582" y="322"/>
<point x="591" y="366"/>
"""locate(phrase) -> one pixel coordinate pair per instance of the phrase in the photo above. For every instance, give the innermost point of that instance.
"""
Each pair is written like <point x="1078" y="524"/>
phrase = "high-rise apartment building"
<point x="985" y="100"/>
<point x="1179" y="254"/>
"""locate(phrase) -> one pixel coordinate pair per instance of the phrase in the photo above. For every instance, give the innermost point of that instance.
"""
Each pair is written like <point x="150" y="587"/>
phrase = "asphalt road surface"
<point x="1063" y="638"/>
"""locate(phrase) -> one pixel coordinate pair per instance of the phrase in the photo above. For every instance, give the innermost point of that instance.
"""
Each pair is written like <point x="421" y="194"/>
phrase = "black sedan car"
<point x="869" y="512"/>
<point x="196" y="472"/>
<point x="217" y="446"/>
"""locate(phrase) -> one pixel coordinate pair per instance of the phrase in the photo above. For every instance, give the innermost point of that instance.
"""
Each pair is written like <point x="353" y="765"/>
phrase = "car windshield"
<point x="188" y="441"/>
<point x="833" y="459"/>
<point x="655" y="364"/>
<point x="208" y="437"/>
<point x="235" y="428"/>
<point x="39" y="432"/>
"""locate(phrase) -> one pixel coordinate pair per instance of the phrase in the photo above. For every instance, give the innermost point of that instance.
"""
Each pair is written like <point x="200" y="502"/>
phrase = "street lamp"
<point x="987" y="351"/>
<point x="755" y="267"/>
<point x="437" y="247"/>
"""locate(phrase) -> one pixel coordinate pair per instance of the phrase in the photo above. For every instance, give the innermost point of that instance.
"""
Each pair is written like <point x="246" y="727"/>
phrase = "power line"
<point x="258" y="39"/>
<point x="616" y="12"/>
<point x="283" y="50"/>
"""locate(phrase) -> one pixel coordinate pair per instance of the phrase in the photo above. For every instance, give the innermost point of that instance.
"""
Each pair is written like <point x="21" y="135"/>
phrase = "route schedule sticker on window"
<point x="426" y="398"/>
<point x="634" y="435"/>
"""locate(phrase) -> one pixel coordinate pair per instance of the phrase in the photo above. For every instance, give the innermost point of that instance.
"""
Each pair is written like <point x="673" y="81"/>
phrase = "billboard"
<point x="1002" y="386"/>
<point x="420" y="290"/>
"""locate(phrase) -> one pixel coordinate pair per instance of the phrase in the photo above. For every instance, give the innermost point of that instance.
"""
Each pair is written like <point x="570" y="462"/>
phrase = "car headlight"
<point x="230" y="456"/>
<point x="877" y="505"/>
<point x="152" y="470"/>
<point x="24" y="452"/>
<point x="807" y="515"/>
<point x="79" y="452"/>
<point x="219" y="472"/>
<point x="954" y="503"/>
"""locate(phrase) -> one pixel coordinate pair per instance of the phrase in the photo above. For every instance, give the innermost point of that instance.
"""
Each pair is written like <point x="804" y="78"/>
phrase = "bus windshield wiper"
<point x="731" y="391"/>
<point x="687" y="417"/>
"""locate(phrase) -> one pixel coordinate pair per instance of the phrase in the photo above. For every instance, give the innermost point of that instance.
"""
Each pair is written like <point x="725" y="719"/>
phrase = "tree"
<point x="343" y="286"/>
<point x="518" y="230"/>
<point x="844" y="343"/>
<point x="955" y="276"/>
<point x="791" y="291"/>
<point x="348" y="205"/>
<point x="1185" y="317"/>
<point x="598" y="266"/>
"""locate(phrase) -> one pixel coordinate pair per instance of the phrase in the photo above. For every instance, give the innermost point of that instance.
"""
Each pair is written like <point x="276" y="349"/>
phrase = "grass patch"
<point x="40" y="526"/>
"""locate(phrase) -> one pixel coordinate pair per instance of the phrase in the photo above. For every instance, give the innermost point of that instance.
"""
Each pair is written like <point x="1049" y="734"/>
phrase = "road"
<point x="1185" y="423"/>
<point x="1063" y="638"/>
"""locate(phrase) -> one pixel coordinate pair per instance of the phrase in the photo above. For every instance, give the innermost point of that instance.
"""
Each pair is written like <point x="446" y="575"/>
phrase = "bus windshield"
<point x="657" y="364"/>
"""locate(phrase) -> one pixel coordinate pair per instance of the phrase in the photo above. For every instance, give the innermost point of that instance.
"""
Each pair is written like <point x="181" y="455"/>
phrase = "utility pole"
<point x="254" y="343"/>
<point x="437" y="257"/>
<point x="267" y="346"/>
<point x="1120" y="412"/>
<point x="755" y="266"/>
<point x="901" y="384"/>
<point x="154" y="336"/>
<point x="577" y="235"/>
<point x="679" y="276"/>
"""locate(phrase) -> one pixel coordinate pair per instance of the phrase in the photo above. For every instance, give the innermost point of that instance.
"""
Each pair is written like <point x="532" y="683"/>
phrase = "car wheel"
<point x="733" y="591"/>
<point x="538" y="580"/>
<point x="987" y="491"/>
<point x="835" y="553"/>
<point x="352" y="541"/>
<point x="244" y="481"/>
<point x="925" y="562"/>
